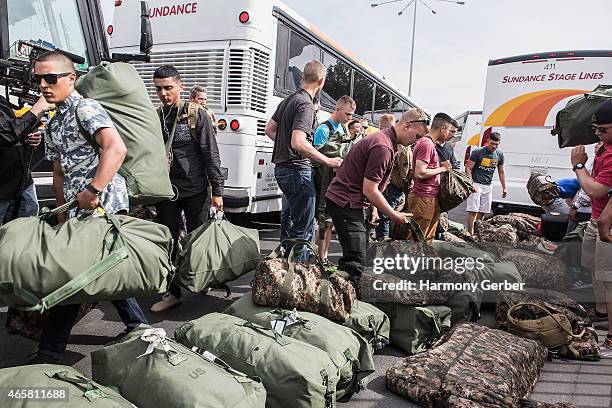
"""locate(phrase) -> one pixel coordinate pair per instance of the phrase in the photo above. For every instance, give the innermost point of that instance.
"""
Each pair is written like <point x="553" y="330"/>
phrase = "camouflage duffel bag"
<point x="370" y="322"/>
<point x="537" y="269"/>
<point x="542" y="189"/>
<point x="415" y="329"/>
<point x="471" y="366"/>
<point x="524" y="224"/>
<point x="497" y="273"/>
<point x="310" y="287"/>
<point x="490" y="234"/>
<point x="295" y="374"/>
<point x="455" y="188"/>
<point x="349" y="351"/>
<point x="583" y="348"/>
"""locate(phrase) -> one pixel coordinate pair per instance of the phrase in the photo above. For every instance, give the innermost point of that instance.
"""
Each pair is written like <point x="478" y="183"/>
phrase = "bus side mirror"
<point x="146" y="35"/>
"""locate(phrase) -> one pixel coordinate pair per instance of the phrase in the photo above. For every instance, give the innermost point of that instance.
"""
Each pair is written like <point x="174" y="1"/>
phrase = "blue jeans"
<point x="27" y="208"/>
<point x="58" y="324"/>
<point x="286" y="222"/>
<point x="297" y="184"/>
<point x="394" y="196"/>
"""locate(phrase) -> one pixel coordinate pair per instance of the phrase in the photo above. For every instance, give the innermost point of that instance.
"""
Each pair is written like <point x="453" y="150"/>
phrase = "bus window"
<point x="383" y="99"/>
<point x="338" y="81"/>
<point x="396" y="104"/>
<point x="282" y="53"/>
<point x="301" y="52"/>
<point x="363" y="90"/>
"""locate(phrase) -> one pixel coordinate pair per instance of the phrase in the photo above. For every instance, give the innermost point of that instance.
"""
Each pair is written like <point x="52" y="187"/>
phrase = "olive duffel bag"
<point x="350" y="352"/>
<point x="83" y="260"/>
<point x="152" y="370"/>
<point x="55" y="386"/>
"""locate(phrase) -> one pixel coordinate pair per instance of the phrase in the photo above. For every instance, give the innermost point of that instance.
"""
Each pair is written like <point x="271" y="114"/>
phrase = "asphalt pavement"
<point x="586" y="384"/>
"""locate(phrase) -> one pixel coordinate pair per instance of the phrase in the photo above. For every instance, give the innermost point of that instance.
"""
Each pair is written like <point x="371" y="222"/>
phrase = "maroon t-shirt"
<point x="371" y="158"/>
<point x="425" y="150"/>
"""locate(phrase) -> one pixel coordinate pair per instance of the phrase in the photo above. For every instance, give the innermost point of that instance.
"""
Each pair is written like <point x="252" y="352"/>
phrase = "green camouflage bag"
<point x="216" y="253"/>
<point x="573" y="124"/>
<point x="348" y="350"/>
<point x="370" y="322"/>
<point x="294" y="373"/>
<point x="470" y="366"/>
<point x="416" y="329"/>
<point x="56" y="386"/>
<point x="455" y="188"/>
<point x="152" y="370"/>
<point x="122" y="93"/>
<point x="83" y="260"/>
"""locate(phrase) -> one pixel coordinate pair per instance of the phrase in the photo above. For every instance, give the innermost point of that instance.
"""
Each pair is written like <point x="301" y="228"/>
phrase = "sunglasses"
<point x="49" y="78"/>
<point x="423" y="121"/>
<point x="601" y="128"/>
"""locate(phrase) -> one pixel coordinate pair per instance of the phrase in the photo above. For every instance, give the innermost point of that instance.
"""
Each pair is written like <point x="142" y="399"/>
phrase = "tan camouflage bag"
<point x="310" y="287"/>
<point x="471" y="366"/>
<point x="537" y="269"/>
<point x="542" y="189"/>
<point x="551" y="329"/>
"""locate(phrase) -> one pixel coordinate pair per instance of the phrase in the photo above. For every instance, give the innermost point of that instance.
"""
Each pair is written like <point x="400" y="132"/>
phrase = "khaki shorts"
<point x="596" y="254"/>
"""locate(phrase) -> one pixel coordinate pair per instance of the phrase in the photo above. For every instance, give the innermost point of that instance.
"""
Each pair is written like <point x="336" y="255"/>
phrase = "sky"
<point x="453" y="47"/>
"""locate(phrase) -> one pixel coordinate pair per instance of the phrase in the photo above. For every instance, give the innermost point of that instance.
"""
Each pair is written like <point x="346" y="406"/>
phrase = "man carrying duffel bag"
<point x="80" y="173"/>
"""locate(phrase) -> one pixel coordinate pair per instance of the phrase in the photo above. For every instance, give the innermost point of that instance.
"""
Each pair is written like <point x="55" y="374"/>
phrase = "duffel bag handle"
<point x="516" y="322"/>
<point x="74" y="204"/>
<point x="91" y="390"/>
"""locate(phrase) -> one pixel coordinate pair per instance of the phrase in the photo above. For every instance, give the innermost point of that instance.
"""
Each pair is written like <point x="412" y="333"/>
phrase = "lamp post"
<point x="416" y="3"/>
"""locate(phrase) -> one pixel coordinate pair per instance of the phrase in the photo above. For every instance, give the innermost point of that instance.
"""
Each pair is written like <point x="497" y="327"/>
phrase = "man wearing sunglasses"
<point x="360" y="181"/>
<point x="596" y="251"/>
<point x="82" y="173"/>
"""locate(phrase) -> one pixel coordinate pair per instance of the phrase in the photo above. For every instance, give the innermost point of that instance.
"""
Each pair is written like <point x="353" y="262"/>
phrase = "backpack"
<point x="338" y="144"/>
<point x="573" y="123"/>
<point x="192" y="122"/>
<point x="120" y="90"/>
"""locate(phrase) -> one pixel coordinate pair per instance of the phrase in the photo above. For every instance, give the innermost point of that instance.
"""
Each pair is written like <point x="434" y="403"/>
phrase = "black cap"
<point x="603" y="113"/>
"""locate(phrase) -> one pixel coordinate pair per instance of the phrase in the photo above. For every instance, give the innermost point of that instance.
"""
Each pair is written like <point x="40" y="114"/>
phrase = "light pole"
<point x="416" y="3"/>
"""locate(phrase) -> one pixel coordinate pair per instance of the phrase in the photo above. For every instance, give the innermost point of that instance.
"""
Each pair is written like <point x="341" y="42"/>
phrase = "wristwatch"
<point x="578" y="166"/>
<point x="94" y="190"/>
<point x="610" y="193"/>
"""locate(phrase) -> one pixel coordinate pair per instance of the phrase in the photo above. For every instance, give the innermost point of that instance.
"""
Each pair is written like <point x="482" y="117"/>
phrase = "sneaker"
<point x="168" y="302"/>
<point x="606" y="348"/>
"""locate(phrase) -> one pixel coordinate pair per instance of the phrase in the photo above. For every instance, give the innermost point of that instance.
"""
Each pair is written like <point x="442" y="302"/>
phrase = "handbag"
<point x="551" y="329"/>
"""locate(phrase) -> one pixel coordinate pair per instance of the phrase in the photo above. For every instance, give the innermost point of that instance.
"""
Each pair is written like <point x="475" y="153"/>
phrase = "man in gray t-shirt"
<point x="481" y="167"/>
<point x="291" y="128"/>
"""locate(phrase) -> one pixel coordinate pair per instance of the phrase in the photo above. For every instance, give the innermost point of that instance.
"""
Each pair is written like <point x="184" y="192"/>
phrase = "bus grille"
<point x="201" y="67"/>
<point x="261" y="127"/>
<point x="248" y="77"/>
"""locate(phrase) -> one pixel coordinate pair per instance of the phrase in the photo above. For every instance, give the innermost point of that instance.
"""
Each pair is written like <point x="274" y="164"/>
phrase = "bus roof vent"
<point x="248" y="78"/>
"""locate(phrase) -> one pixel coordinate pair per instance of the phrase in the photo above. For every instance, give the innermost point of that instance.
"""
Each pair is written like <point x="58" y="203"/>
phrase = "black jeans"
<point x="352" y="233"/>
<point x="169" y="214"/>
<point x="58" y="325"/>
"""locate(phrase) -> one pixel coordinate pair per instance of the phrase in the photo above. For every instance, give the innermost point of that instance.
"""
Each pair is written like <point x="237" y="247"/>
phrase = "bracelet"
<point x="94" y="190"/>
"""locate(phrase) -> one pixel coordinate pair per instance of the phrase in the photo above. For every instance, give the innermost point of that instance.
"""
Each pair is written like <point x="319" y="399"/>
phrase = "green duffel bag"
<point x="573" y="125"/>
<point x="295" y="374"/>
<point x="456" y="250"/>
<point x="152" y="370"/>
<point x="465" y="306"/>
<point x="497" y="273"/>
<point x="216" y="253"/>
<point x="83" y="260"/>
<point x="371" y="323"/>
<point x="349" y="351"/>
<point x="120" y="90"/>
<point x="55" y="386"/>
<point x="415" y="329"/>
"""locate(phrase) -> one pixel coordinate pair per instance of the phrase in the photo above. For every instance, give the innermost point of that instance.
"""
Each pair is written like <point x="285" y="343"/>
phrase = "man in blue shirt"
<point x="480" y="168"/>
<point x="345" y="108"/>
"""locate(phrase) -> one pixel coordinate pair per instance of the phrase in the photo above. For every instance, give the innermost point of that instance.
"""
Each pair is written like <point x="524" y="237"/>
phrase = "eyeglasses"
<point x="423" y="121"/>
<point x="601" y="128"/>
<point x="49" y="78"/>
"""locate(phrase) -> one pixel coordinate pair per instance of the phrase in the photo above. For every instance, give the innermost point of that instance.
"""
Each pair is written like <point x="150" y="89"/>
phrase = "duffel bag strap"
<point x="266" y="331"/>
<point x="91" y="390"/>
<point x="517" y="323"/>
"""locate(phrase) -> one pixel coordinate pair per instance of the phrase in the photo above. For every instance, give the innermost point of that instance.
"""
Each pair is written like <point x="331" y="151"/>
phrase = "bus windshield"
<point x="53" y="23"/>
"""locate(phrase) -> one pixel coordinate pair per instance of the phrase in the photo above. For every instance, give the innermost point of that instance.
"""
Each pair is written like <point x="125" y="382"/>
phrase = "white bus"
<point x="249" y="54"/>
<point x="522" y="97"/>
<point x="467" y="136"/>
